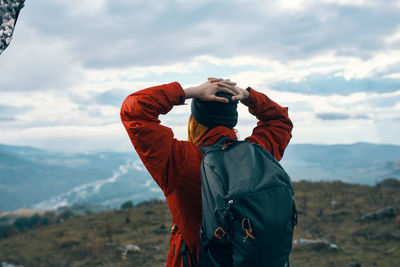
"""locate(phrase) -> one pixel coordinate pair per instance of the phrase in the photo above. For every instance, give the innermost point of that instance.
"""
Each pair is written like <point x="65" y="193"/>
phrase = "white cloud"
<point x="291" y="5"/>
<point x="59" y="66"/>
<point x="79" y="131"/>
<point x="74" y="116"/>
<point x="296" y="70"/>
<point x="37" y="62"/>
<point x="348" y="2"/>
<point x="86" y="8"/>
<point x="393" y="76"/>
<point x="303" y="5"/>
<point x="77" y="139"/>
<point x="104" y="33"/>
<point x="264" y="71"/>
<point x="394" y="38"/>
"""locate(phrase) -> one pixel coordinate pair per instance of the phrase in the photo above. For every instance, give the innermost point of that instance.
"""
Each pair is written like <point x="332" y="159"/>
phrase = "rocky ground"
<point x="339" y="225"/>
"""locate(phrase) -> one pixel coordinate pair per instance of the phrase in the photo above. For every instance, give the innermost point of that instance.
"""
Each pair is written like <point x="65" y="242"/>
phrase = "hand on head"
<point x="236" y="92"/>
<point x="207" y="90"/>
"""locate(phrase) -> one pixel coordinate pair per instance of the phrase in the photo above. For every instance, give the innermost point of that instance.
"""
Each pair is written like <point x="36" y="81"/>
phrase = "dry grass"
<point x="327" y="210"/>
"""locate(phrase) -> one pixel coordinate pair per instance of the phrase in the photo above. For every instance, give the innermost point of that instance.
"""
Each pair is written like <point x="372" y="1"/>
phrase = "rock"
<point x="396" y="234"/>
<point x="387" y="212"/>
<point x="5" y="264"/>
<point x="131" y="247"/>
<point x="391" y="250"/>
<point x="109" y="243"/>
<point x="315" y="243"/>
<point x="128" y="250"/>
<point x="397" y="222"/>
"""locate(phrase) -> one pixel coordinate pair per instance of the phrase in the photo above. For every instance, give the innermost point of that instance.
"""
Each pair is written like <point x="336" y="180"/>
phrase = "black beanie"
<point x="212" y="113"/>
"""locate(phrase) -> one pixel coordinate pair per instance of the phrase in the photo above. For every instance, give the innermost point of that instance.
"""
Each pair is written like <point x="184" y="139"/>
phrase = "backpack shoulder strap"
<point x="184" y="254"/>
<point x="218" y="145"/>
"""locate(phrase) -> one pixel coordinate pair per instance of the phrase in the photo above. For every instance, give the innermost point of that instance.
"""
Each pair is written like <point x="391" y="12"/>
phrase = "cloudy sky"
<point x="335" y="64"/>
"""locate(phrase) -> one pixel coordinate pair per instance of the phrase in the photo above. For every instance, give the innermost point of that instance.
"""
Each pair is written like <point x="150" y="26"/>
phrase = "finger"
<point x="228" y="82"/>
<point x="215" y="79"/>
<point x="237" y="97"/>
<point x="224" y="84"/>
<point x="226" y="90"/>
<point x="219" y="99"/>
<point x="233" y="88"/>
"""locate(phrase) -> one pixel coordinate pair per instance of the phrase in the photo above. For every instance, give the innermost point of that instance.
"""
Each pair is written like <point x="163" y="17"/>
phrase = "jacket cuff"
<point x="177" y="94"/>
<point x="252" y="98"/>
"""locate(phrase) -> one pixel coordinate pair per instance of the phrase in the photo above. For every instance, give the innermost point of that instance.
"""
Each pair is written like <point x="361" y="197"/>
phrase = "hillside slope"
<point x="327" y="210"/>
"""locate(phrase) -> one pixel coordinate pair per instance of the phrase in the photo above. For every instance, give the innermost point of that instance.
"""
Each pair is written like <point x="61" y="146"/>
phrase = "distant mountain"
<point x="360" y="163"/>
<point x="38" y="179"/>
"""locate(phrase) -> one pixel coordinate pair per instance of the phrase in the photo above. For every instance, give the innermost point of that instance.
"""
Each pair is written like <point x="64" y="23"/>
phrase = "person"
<point x="175" y="164"/>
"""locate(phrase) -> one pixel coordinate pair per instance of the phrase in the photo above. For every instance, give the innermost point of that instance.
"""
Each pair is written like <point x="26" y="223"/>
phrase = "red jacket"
<point x="175" y="164"/>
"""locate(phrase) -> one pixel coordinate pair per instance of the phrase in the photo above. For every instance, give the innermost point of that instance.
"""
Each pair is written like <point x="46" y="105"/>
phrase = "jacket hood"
<point x="214" y="134"/>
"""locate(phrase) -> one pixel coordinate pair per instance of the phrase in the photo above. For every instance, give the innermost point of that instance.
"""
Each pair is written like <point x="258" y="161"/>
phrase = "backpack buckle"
<point x="247" y="229"/>
<point x="219" y="233"/>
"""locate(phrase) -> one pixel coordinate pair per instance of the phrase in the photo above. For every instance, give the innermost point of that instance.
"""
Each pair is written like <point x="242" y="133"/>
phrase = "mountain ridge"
<point x="35" y="178"/>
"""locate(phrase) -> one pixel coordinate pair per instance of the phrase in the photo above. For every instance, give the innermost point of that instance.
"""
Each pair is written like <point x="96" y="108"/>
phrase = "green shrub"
<point x="127" y="205"/>
<point x="65" y="215"/>
<point x="8" y="231"/>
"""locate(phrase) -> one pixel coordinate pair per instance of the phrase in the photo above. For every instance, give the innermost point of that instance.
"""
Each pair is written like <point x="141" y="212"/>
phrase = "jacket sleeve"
<point x="161" y="153"/>
<point x="273" y="130"/>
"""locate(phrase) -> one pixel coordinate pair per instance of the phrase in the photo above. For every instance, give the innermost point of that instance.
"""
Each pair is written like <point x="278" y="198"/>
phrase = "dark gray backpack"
<point x="248" y="208"/>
